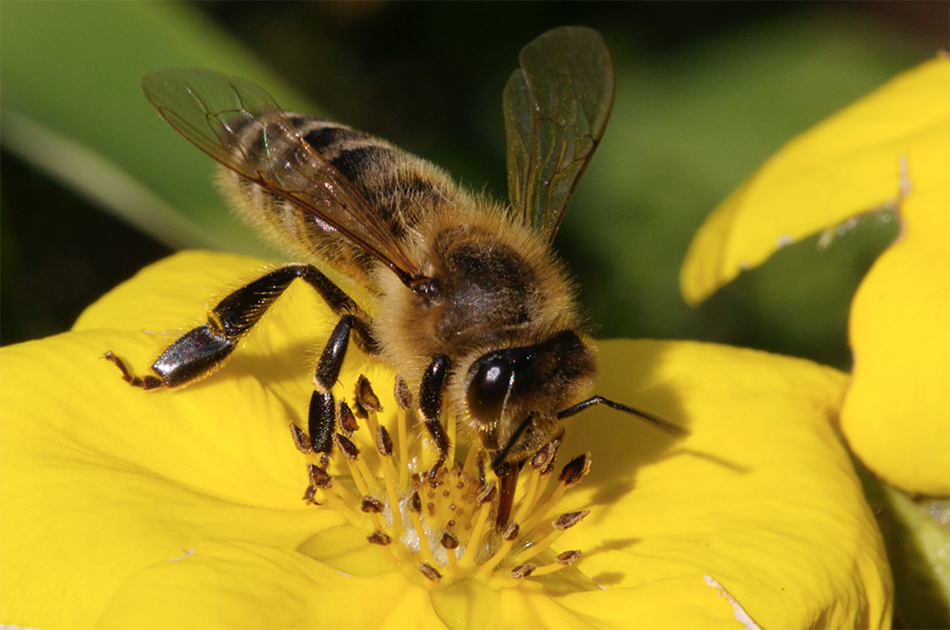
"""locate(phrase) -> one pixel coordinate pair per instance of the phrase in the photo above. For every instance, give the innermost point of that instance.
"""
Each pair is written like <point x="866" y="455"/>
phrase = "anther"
<point x="379" y="538"/>
<point x="568" y="557"/>
<point x="415" y="502"/>
<point x="402" y="394"/>
<point x="430" y="571"/>
<point x="301" y="440"/>
<point x="565" y="521"/>
<point x="544" y="456"/>
<point x="384" y="442"/>
<point x="556" y="444"/>
<point x="371" y="505"/>
<point x="349" y="450"/>
<point x="319" y="477"/>
<point x="348" y="423"/>
<point x="511" y="532"/>
<point x="575" y="470"/>
<point x="487" y="492"/>
<point x="365" y="396"/>
<point x="449" y="540"/>
<point x="523" y="570"/>
<point x="309" y="494"/>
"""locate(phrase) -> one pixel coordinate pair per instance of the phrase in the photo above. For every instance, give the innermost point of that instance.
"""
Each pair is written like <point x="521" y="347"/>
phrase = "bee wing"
<point x="214" y="111"/>
<point x="556" y="107"/>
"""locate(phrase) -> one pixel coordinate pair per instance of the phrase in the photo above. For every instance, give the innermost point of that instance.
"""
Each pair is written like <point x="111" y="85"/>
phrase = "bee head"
<point x="505" y="387"/>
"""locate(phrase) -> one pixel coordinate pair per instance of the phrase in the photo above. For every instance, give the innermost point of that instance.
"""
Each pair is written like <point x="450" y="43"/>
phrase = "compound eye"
<point x="489" y="387"/>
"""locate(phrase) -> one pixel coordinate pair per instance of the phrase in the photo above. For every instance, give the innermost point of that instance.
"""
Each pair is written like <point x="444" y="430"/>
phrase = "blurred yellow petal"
<point x="130" y="508"/>
<point x="846" y="165"/>
<point x="896" y="414"/>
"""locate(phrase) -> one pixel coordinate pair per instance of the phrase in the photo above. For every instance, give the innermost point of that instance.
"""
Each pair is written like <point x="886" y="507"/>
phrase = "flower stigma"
<point x="439" y="526"/>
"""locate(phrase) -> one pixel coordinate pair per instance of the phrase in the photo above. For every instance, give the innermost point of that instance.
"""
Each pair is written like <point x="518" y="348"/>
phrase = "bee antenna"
<point x="656" y="421"/>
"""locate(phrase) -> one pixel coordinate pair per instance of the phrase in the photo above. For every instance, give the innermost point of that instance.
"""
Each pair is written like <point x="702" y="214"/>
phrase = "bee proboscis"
<point x="465" y="298"/>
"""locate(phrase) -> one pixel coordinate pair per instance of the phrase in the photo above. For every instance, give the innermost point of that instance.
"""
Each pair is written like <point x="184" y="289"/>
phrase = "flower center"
<point x="439" y="525"/>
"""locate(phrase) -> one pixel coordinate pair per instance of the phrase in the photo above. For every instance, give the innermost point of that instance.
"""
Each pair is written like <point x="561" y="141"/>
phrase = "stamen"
<point x="509" y="536"/>
<point x="438" y="524"/>
<point x="565" y="559"/>
<point x="468" y="558"/>
<point x="341" y="505"/>
<point x="384" y="446"/>
<point x="561" y="524"/>
<point x="415" y="511"/>
<point x="351" y="455"/>
<point x="450" y="543"/>
<point x="571" y="475"/>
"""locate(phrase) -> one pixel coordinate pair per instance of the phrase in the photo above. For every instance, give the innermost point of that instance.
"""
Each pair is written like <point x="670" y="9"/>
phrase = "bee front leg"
<point x="430" y="405"/>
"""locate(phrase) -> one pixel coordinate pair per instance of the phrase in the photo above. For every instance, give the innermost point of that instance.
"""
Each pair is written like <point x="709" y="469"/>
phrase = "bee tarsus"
<point x="321" y="421"/>
<point x="145" y="382"/>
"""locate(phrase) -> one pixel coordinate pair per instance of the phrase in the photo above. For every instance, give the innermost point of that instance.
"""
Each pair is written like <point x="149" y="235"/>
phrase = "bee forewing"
<point x="238" y="124"/>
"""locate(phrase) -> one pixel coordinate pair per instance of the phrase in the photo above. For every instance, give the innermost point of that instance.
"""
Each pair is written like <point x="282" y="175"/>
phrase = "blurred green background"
<point x="93" y="185"/>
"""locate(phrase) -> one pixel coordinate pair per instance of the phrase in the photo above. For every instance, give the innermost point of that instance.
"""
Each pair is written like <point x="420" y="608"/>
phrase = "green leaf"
<point x="72" y="105"/>
<point x="917" y="537"/>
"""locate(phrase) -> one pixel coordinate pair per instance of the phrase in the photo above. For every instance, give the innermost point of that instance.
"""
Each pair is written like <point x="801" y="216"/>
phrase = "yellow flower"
<point x="126" y="508"/>
<point x="889" y="149"/>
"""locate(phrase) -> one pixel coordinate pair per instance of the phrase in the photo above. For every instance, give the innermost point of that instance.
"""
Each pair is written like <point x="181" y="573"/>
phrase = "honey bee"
<point x="465" y="298"/>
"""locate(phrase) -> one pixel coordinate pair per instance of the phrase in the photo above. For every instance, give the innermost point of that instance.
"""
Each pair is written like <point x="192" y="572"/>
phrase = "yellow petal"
<point x="123" y="502"/>
<point x="167" y="299"/>
<point x="172" y="294"/>
<point x="761" y="497"/>
<point x="98" y="479"/>
<point x="844" y="166"/>
<point x="896" y="415"/>
<point x="254" y="586"/>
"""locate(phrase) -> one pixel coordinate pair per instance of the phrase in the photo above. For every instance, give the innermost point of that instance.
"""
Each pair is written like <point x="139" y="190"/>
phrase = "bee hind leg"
<point x="202" y="350"/>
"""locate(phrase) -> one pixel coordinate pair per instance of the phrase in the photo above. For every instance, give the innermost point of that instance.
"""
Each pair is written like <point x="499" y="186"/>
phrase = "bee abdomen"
<point x="393" y="182"/>
<point x="386" y="176"/>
